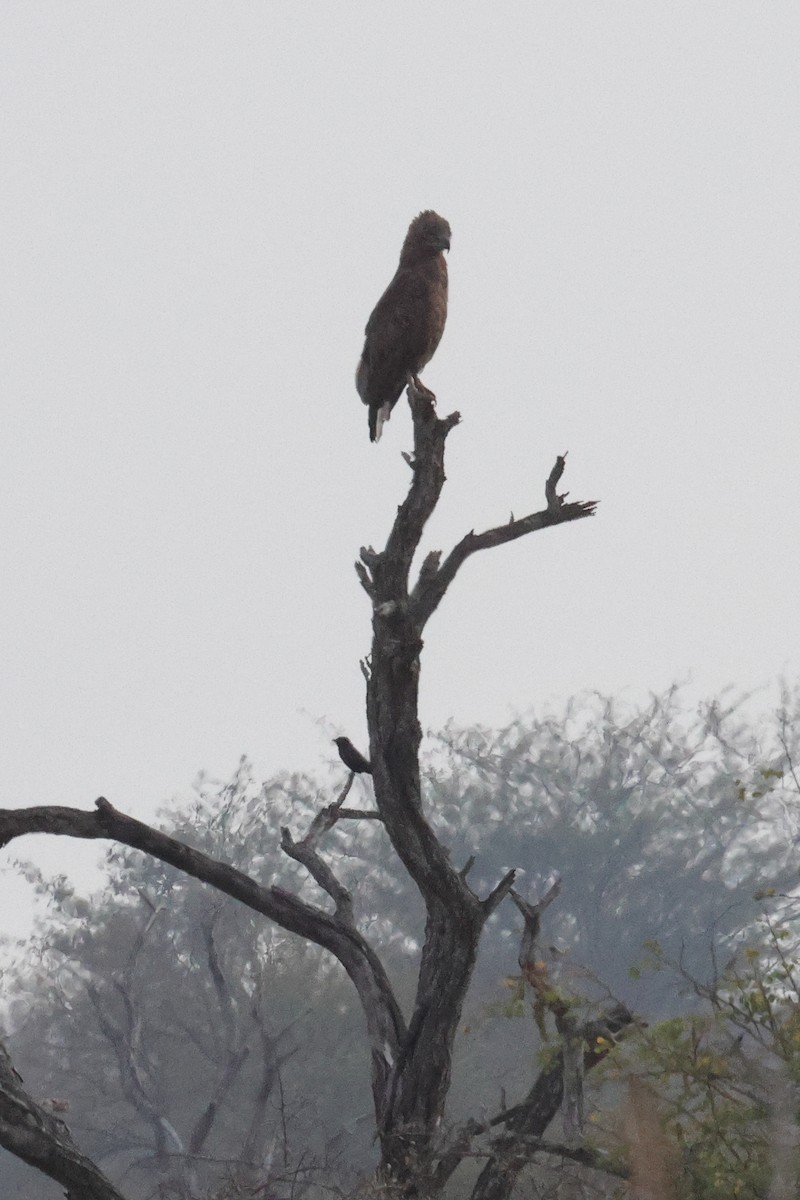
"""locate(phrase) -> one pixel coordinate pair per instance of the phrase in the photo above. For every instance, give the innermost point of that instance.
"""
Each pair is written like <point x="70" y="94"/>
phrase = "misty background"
<point x="201" y="206"/>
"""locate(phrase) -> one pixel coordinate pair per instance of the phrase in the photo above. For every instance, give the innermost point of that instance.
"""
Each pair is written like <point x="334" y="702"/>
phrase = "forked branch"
<point x="305" y="852"/>
<point x="433" y="583"/>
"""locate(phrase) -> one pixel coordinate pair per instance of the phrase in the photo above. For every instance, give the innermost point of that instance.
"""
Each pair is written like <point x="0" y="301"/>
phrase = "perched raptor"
<point x="407" y="323"/>
<point x="352" y="759"/>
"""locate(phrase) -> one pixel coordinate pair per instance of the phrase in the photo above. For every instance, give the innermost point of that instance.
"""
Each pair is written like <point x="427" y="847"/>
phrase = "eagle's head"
<point x="432" y="229"/>
<point x="428" y="234"/>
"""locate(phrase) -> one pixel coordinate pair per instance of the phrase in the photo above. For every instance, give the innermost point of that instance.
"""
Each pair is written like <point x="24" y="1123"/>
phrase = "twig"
<point x="304" y="852"/>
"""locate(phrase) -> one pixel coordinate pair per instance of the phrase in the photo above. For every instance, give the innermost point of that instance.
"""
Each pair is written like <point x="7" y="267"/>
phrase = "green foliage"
<point x="727" y="1071"/>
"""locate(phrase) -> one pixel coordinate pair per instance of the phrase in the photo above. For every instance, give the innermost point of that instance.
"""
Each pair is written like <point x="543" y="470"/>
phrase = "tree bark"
<point x="419" y="1081"/>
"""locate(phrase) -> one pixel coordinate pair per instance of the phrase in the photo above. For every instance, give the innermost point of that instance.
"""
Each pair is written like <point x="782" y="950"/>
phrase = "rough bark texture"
<point x="410" y="1064"/>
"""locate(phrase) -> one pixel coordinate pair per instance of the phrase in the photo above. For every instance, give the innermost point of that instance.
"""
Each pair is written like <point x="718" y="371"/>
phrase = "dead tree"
<point x="410" y="1057"/>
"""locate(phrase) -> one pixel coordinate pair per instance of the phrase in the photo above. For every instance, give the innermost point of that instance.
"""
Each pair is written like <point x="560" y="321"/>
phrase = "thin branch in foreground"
<point x="305" y="852"/>
<point x="584" y="1155"/>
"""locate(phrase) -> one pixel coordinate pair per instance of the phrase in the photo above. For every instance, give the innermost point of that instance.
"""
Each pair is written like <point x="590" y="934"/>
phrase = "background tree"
<point x="659" y="818"/>
<point x="724" y="1078"/>
<point x="185" y="1011"/>
<point x="595" y="758"/>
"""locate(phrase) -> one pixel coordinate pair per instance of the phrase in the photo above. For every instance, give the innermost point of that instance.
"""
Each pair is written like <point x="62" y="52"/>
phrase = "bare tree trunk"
<point x="418" y="1082"/>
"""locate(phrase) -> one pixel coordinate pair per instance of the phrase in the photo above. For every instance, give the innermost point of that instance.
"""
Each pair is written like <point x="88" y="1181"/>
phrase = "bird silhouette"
<point x="352" y="759"/>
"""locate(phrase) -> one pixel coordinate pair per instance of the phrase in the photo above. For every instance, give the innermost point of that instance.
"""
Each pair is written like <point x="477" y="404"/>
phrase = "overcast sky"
<point x="201" y="205"/>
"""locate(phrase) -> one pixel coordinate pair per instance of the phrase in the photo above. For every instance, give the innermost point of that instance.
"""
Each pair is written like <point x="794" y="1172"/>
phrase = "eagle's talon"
<point x="423" y="392"/>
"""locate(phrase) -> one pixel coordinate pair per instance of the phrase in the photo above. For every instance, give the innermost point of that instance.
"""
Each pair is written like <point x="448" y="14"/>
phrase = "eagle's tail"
<point x="377" y="418"/>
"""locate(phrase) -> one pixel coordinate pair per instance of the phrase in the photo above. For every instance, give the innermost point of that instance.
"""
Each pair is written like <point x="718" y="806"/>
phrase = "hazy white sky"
<point x="202" y="203"/>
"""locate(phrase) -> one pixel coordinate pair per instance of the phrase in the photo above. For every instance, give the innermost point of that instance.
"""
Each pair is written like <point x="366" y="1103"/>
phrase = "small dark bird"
<point x="351" y="758"/>
<point x="408" y="321"/>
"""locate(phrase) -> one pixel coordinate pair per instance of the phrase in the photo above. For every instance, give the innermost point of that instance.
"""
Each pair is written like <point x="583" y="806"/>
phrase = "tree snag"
<point x="410" y="1060"/>
<point x="419" y="1081"/>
